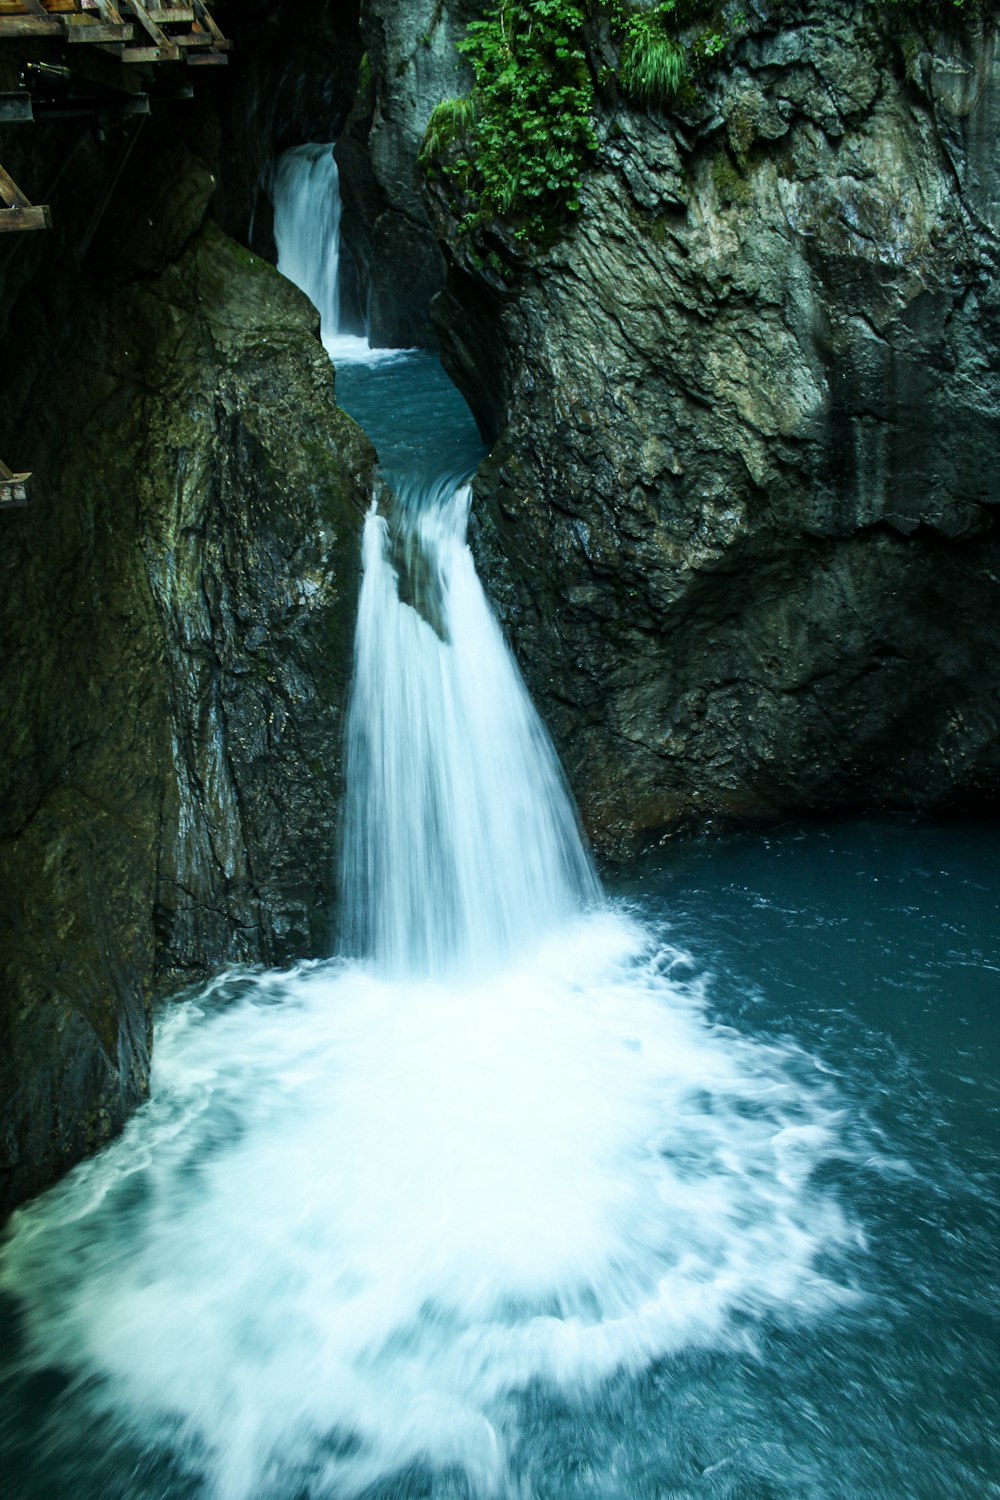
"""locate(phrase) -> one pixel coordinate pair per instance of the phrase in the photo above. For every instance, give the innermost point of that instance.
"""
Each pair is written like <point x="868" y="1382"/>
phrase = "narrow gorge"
<point x="498" y="879"/>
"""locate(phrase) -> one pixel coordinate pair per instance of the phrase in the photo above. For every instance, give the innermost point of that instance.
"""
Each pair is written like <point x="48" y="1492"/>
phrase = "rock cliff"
<point x="739" y="513"/>
<point x="409" y="66"/>
<point x="177" y="609"/>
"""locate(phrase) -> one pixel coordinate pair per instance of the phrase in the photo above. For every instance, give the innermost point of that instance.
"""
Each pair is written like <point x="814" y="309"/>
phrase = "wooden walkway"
<point x="134" y="31"/>
<point x="45" y="73"/>
<point x="137" y="34"/>
<point x="13" y="493"/>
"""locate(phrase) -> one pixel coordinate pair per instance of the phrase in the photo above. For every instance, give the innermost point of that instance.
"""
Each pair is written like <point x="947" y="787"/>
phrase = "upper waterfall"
<point x="307" y="226"/>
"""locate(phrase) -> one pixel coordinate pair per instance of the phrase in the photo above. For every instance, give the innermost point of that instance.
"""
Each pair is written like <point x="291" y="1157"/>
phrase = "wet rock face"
<point x="410" y="66"/>
<point x="177" y="616"/>
<point x="739" y="515"/>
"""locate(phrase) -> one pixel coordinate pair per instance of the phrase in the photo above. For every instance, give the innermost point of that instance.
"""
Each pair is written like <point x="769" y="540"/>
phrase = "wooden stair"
<point x="134" y="31"/>
<point x="139" y="34"/>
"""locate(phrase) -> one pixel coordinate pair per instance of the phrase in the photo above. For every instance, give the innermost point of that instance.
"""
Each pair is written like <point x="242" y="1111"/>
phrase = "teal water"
<point x="413" y="414"/>
<point x="877" y="947"/>
<point x="873" y="949"/>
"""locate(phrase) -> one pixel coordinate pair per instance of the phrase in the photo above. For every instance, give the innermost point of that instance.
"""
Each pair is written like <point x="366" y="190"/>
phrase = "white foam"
<point x="367" y="1213"/>
<point x="353" y="349"/>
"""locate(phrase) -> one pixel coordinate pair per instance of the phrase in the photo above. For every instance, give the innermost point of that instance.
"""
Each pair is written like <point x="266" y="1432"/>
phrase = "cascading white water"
<point x="380" y="1220"/>
<point x="460" y="842"/>
<point x="307" y="227"/>
<point x="461" y="846"/>
<point x="305" y="191"/>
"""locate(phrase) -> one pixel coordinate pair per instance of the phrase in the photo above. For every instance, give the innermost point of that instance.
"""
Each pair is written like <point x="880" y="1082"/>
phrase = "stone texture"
<point x="411" y="66"/>
<point x="738" y="516"/>
<point x="177" y="608"/>
<point x="291" y="79"/>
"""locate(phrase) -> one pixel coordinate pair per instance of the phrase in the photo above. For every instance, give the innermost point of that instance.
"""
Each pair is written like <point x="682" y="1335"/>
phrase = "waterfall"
<point x="446" y="1213"/>
<point x="307" y="226"/>
<point x="305" y="191"/>
<point x="460" y="843"/>
<point x="461" y="847"/>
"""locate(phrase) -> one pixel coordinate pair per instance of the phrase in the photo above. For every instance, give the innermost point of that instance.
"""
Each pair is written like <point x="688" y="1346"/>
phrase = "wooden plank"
<point x="97" y="31"/>
<point x="15" y="26"/>
<point x="11" y="193"/>
<point x="34" y="8"/>
<point x="201" y="59"/>
<point x="205" y="18"/>
<point x="19" y="7"/>
<point x="142" y="15"/>
<point x="141" y="54"/>
<point x="18" y="219"/>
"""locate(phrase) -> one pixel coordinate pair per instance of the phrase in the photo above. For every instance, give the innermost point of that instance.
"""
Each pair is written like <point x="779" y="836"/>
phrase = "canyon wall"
<point x="177" y="598"/>
<point x="739" y="513"/>
<point x="410" y="64"/>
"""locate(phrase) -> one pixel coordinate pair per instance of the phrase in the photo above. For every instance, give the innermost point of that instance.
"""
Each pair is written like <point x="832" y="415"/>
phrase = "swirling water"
<point x="689" y="1192"/>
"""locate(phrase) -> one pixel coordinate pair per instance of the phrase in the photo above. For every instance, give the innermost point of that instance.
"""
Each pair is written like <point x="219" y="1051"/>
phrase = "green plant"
<point x="653" y="64"/>
<point x="528" y="121"/>
<point x="665" y="47"/>
<point x="451" y="121"/>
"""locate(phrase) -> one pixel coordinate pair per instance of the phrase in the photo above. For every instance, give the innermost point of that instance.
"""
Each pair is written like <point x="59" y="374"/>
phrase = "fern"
<point x="528" y="121"/>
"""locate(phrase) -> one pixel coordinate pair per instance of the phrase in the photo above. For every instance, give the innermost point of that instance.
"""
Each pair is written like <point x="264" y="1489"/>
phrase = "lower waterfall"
<point x="493" y="1203"/>
<point x="461" y="849"/>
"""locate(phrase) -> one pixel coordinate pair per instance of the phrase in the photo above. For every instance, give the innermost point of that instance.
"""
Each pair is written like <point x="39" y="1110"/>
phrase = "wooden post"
<point x="166" y="50"/>
<point x="20" y="212"/>
<point x="12" y="488"/>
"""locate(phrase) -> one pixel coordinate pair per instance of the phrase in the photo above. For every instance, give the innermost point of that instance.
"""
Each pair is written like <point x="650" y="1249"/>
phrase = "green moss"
<point x="248" y="261"/>
<point x="742" y="130"/>
<point x="729" y="183"/>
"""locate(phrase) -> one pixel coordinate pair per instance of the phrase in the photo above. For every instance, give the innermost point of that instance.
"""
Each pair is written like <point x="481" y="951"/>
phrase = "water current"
<point x="531" y="1191"/>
